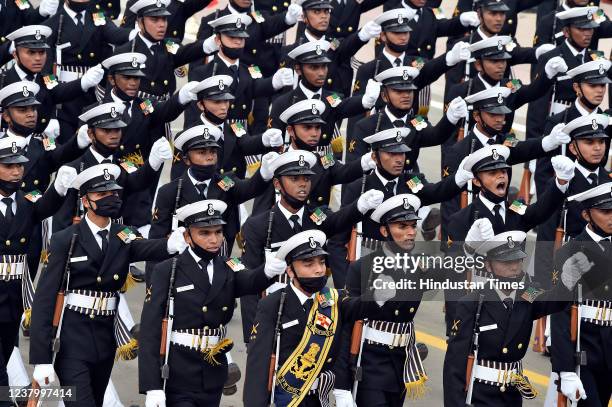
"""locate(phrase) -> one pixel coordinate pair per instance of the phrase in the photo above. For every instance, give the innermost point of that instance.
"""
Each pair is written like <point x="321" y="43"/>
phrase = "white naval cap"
<point x="599" y="197"/>
<point x="234" y="25"/>
<point x="398" y="208"/>
<point x="201" y="136"/>
<point x="207" y="212"/>
<point x="589" y="126"/>
<point x="216" y="87"/>
<point x="399" y="77"/>
<point x="105" y="116"/>
<point x="491" y="48"/>
<point x="593" y="72"/>
<point x="303" y="245"/>
<point x="22" y="93"/>
<point x="305" y="111"/>
<point x="100" y="177"/>
<point x="294" y="162"/>
<point x="490" y="100"/>
<point x="31" y="36"/>
<point x="490" y="157"/>
<point x="12" y="150"/>
<point x="507" y="246"/>
<point x="390" y="140"/>
<point x="126" y="63"/>
<point x="396" y="20"/>
<point x="152" y="8"/>
<point x="582" y="17"/>
<point x="311" y="52"/>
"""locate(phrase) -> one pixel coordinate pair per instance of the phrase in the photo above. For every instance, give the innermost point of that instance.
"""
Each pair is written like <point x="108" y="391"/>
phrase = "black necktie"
<point x="498" y="221"/>
<point x="79" y="18"/>
<point x="8" y="215"/>
<point x="399" y="123"/>
<point x="204" y="266"/>
<point x="234" y="69"/>
<point x="508" y="302"/>
<point x="308" y="305"/>
<point x="397" y="62"/>
<point x="593" y="179"/>
<point x="316" y="96"/>
<point x="491" y="141"/>
<point x="580" y="59"/>
<point x="103" y="234"/>
<point x="390" y="187"/>
<point x="201" y="187"/>
<point x="295" y="223"/>
<point x="29" y="77"/>
<point x="106" y="161"/>
<point x="128" y="107"/>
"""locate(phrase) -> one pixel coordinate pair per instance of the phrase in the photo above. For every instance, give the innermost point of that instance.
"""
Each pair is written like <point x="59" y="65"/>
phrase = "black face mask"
<point x="301" y="145"/>
<point x="486" y="128"/>
<point x="588" y="104"/>
<point x="20" y="129"/>
<point x="109" y="206"/>
<point x="240" y="9"/>
<point x="312" y="284"/>
<point x="398" y="112"/>
<point x="102" y="149"/>
<point x="213" y="119"/>
<point x="122" y="95"/>
<point x="398" y="48"/>
<point x="516" y="279"/>
<point x="201" y="252"/>
<point x="589" y="166"/>
<point x="10" y="187"/>
<point x="385" y="174"/>
<point x="488" y="79"/>
<point x="493" y="197"/>
<point x="231" y="53"/>
<point x="596" y="228"/>
<point x="316" y="32"/>
<point x="78" y="7"/>
<point x="202" y="172"/>
<point x="293" y="202"/>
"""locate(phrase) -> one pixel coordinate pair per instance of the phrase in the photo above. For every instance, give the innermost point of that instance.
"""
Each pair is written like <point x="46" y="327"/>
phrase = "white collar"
<point x="582" y="110"/>
<point x="565" y="6"/>
<point x="148" y="43"/>
<point x="118" y="100"/>
<point x="301" y="296"/>
<point x="228" y="63"/>
<point x="73" y="13"/>
<point x="195" y="181"/>
<point x="98" y="156"/>
<point x="309" y="94"/>
<point x="209" y="123"/>
<point x="287" y="214"/>
<point x="485" y="83"/>
<point x="209" y="265"/>
<point x="383" y="180"/>
<point x="13" y="196"/>
<point x="312" y="38"/>
<point x="21" y="73"/>
<point x="490" y="205"/>
<point x="482" y="34"/>
<point x="393" y="118"/>
<point x="10" y="132"/>
<point x="503" y="296"/>
<point x="95" y="228"/>
<point x="593" y="235"/>
<point x="391" y="58"/>
<point x="573" y="50"/>
<point x="585" y="171"/>
<point x="416" y="10"/>
<point x="234" y="11"/>
<point x="481" y="136"/>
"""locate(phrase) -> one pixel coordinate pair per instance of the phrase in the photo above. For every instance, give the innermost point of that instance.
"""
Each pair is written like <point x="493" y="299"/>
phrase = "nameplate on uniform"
<point x="235" y="264"/>
<point x="22" y="4"/>
<point x="50" y="81"/>
<point x="255" y="72"/>
<point x="414" y="184"/>
<point x="518" y="207"/>
<point x="185" y="288"/>
<point x="318" y="216"/>
<point x="33" y="196"/>
<point x="514" y="85"/>
<point x="488" y="327"/>
<point x="128" y="166"/>
<point x="147" y="107"/>
<point x="127" y="235"/>
<point x="419" y="123"/>
<point x="333" y="99"/>
<point x="171" y="46"/>
<point x="78" y="259"/>
<point x="327" y="160"/>
<point x="438" y="13"/>
<point x="510" y="141"/>
<point x="238" y="129"/>
<point x="290" y="324"/>
<point x="258" y="17"/>
<point x="99" y="18"/>
<point x="226" y="183"/>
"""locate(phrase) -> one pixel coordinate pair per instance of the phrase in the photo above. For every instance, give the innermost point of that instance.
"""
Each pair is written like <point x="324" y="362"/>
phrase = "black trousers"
<point x="597" y="384"/>
<point x="89" y="379"/>
<point x="379" y="398"/>
<point x="8" y="340"/>
<point x="193" y="399"/>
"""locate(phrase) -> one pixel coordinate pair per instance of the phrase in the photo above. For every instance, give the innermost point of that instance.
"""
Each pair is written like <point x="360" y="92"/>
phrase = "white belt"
<point x="603" y="314"/>
<point x="11" y="271"/>
<point x="91" y="302"/>
<point x="386" y="338"/>
<point x="315" y="385"/>
<point x="67" y="76"/>
<point x="194" y="341"/>
<point x="492" y="375"/>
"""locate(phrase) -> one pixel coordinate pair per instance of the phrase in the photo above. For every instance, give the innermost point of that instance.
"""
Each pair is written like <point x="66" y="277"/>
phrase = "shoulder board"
<point x="50" y="81"/>
<point x="226" y="183"/>
<point x="235" y="264"/>
<point x="171" y="46"/>
<point x="518" y="207"/>
<point x="33" y="196"/>
<point x="127" y="235"/>
<point x="318" y="216"/>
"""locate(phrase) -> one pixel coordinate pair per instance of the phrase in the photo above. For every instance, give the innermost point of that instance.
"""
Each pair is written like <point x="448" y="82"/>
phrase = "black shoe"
<point x="423" y="350"/>
<point x="430" y="223"/>
<point x="233" y="376"/>
<point x="137" y="274"/>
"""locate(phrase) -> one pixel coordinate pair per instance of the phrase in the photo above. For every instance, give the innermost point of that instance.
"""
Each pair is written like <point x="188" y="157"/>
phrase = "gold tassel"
<point x="129" y="283"/>
<point x="338" y="144"/>
<point x="523" y="386"/>
<point x="423" y="111"/>
<point x="252" y="168"/>
<point x="417" y="389"/>
<point x="223" y="346"/>
<point x="127" y="351"/>
<point x="27" y="318"/>
<point x="134" y="157"/>
<point x="44" y="257"/>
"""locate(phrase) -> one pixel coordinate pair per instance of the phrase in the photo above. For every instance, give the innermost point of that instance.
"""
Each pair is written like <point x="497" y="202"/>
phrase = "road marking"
<point x="440" y="344"/>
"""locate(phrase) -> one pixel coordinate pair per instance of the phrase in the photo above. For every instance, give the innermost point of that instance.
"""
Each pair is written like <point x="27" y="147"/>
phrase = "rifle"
<point x="354" y="246"/>
<point x="525" y="189"/>
<point x="177" y="199"/>
<point x="473" y="358"/>
<point x="467" y="196"/>
<point x="76" y="219"/>
<point x="58" y="311"/>
<point x="166" y="328"/>
<point x="357" y="340"/>
<point x="57" y="70"/>
<point x="275" y="355"/>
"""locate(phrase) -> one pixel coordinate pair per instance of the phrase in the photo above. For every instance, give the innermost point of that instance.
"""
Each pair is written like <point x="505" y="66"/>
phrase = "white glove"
<point x="344" y="398"/>
<point x="555" y="138"/>
<point x="459" y="52"/>
<point x="155" y="398"/>
<point x="469" y="19"/>
<point x="44" y="374"/>
<point x="294" y="12"/>
<point x="83" y="139"/>
<point x="92" y="77"/>
<point x="554" y="66"/>
<point x="48" y="8"/>
<point x="186" y="93"/>
<point x="570" y="385"/>
<point x="283" y="77"/>
<point x="563" y="166"/>
<point x="64" y="178"/>
<point x="367" y="163"/>
<point x="53" y="129"/>
<point x="462" y="176"/>
<point x="543" y="49"/>
<point x="457" y="110"/>
<point x="176" y="241"/>
<point x="210" y="46"/>
<point x="266" y="162"/>
<point x="573" y="269"/>
<point x="481" y="231"/>
<point x="370" y="30"/>
<point x="160" y="152"/>
<point x="274" y="266"/>
<point x="369" y="200"/>
<point x="272" y="138"/>
<point x="370" y="96"/>
<point x="383" y="294"/>
<point x="133" y="34"/>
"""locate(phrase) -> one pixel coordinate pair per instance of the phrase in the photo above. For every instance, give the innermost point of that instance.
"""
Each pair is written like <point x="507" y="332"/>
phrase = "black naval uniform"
<point x="595" y="335"/>
<point x="88" y="346"/>
<point x="201" y="306"/>
<point x="12" y="17"/>
<point x="511" y="24"/>
<point x="16" y="235"/>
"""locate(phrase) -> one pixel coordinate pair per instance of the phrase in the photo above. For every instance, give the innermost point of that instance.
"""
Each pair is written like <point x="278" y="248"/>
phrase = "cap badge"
<point x="312" y="243"/>
<point x="14" y="148"/>
<point x="405" y="75"/>
<point x="318" y="50"/>
<point x="406" y="204"/>
<point x="211" y="210"/>
<point x="37" y="35"/>
<point x="221" y="84"/>
<point x="594" y="124"/>
<point x="158" y="4"/>
<point x="238" y="23"/>
<point x="495" y="154"/>
<point x="113" y="112"/>
<point x="134" y="62"/>
<point x="106" y="175"/>
<point x="25" y="92"/>
<point x="301" y="161"/>
<point x="206" y="134"/>
<point x="589" y="15"/>
<point x="511" y="243"/>
<point x="400" y="19"/>
<point x="602" y="70"/>
<point x="500" y="46"/>
<point x="314" y="109"/>
<point x="399" y="137"/>
<point x="500" y="98"/>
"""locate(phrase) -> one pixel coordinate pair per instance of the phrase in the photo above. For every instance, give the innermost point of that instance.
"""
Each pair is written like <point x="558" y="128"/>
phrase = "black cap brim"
<point x="217" y="96"/>
<point x="402" y="217"/>
<point x="235" y="33"/>
<point x="319" y="6"/>
<point x="29" y="101"/>
<point x="401" y="85"/>
<point x="319" y="59"/>
<point x="161" y="12"/>
<point x="589" y="135"/>
<point x="585" y="24"/>
<point x="33" y="45"/>
<point x="201" y="144"/>
<point x="14" y="159"/>
<point x="308" y="120"/>
<point x="492" y="166"/>
<point x="308" y="254"/>
<point x="130" y="72"/>
<point x="497" y="6"/>
<point x="496" y="109"/>
<point x="107" y="186"/>
<point x="508" y="255"/>
<point x="295" y="171"/>
<point x="394" y="148"/>
<point x="497" y="56"/>
<point x="600" y="80"/>
<point x="111" y="124"/>
<point x="208" y="223"/>
<point x="603" y="205"/>
<point x="404" y="28"/>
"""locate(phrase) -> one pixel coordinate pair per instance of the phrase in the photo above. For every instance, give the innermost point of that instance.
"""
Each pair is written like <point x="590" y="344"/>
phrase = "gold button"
<point x="396" y="312"/>
<point x="285" y="4"/>
<point x="206" y="327"/>
<point x="419" y="49"/>
<point x="8" y="243"/>
<point x="510" y="21"/>
<point x="99" y="279"/>
<point x="204" y="309"/>
<point x="35" y="182"/>
<point x="274" y="8"/>
<point x="22" y="240"/>
<point x="338" y="29"/>
<point x="109" y="5"/>
<point x="232" y="106"/>
<point x="428" y="47"/>
<point x="137" y="145"/>
<point x="23" y="185"/>
<point x="407" y="161"/>
<point x="254" y="51"/>
<point x="92" y="316"/>
<point x="329" y="81"/>
<point x="520" y="346"/>
<point x="115" y="277"/>
<point x="411" y="309"/>
<point x="224" y="308"/>
<point x="350" y="29"/>
<point x="174" y="33"/>
<point x="91" y="55"/>
<point x="43" y="120"/>
<point x="234" y="169"/>
<point x="79" y="56"/>
<point x="222" y="171"/>
<point x="243" y="107"/>
<point x="97" y="7"/>
<point x="3" y="39"/>
<point x="505" y="350"/>
<point x="308" y="202"/>
<point x="152" y="83"/>
<point x="324" y="137"/>
<point x="606" y="287"/>
<point x="320" y="199"/>
<point x="121" y="148"/>
<point x="166" y="82"/>
<point x="329" y="360"/>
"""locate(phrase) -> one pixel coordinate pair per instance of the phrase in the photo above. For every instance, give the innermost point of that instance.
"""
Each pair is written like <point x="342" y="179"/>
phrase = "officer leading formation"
<point x="214" y="156"/>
